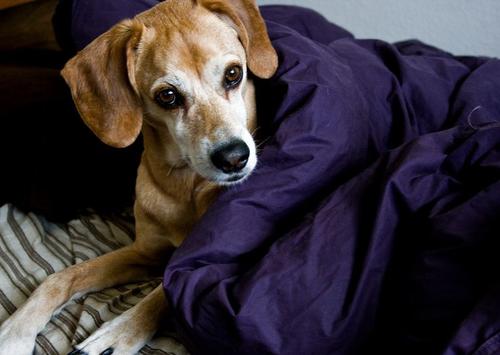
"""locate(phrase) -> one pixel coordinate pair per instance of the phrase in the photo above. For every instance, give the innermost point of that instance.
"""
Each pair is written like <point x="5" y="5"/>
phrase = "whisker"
<point x="261" y="143"/>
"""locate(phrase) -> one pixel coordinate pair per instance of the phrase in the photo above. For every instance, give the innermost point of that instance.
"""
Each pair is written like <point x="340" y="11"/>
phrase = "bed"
<point x="372" y="223"/>
<point x="370" y="226"/>
<point x="31" y="248"/>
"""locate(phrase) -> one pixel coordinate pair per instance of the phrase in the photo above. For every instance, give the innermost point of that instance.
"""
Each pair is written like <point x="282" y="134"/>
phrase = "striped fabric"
<point x="31" y="248"/>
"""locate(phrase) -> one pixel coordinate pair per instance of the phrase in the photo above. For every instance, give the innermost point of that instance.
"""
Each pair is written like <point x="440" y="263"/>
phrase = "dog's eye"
<point x="168" y="98"/>
<point x="233" y="76"/>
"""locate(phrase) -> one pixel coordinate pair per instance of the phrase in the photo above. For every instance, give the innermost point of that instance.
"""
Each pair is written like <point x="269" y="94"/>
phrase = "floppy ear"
<point x="261" y="56"/>
<point x="102" y="82"/>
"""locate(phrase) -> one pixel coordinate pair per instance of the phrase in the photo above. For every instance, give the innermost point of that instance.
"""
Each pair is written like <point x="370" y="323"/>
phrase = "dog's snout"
<point x="231" y="157"/>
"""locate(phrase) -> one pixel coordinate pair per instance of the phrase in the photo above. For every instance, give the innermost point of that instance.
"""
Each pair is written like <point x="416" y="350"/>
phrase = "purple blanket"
<point x="372" y="224"/>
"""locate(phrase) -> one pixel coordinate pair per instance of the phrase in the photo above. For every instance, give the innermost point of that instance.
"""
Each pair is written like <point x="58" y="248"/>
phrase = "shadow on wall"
<point x="51" y="162"/>
<point x="461" y="27"/>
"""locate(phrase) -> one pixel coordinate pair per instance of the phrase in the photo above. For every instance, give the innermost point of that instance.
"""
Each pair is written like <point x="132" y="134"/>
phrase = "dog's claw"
<point x="77" y="352"/>
<point x="108" y="351"/>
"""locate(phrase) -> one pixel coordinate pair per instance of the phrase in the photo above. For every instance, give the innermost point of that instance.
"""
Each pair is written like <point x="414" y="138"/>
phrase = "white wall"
<point x="459" y="26"/>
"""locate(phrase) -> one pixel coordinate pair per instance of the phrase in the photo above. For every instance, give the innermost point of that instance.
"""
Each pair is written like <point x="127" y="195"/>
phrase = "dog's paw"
<point x="16" y="346"/>
<point x="13" y="341"/>
<point x="123" y="335"/>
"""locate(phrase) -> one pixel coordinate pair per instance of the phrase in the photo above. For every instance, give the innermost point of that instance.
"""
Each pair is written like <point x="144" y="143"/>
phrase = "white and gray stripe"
<point x="31" y="248"/>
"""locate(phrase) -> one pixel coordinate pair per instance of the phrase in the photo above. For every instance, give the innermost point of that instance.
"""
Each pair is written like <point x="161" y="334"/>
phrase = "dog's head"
<point x="181" y="70"/>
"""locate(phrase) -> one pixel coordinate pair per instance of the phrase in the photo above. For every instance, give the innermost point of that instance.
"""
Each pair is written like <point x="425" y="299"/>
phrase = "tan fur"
<point x="113" y="82"/>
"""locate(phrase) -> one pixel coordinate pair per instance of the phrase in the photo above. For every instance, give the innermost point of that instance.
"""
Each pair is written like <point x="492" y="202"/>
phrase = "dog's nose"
<point x="231" y="157"/>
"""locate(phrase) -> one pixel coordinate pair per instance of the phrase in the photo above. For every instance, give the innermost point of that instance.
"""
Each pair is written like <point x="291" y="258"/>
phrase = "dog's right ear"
<point x="252" y="32"/>
<point x="102" y="82"/>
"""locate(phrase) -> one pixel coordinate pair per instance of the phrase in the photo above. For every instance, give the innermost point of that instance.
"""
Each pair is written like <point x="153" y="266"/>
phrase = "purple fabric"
<point x="90" y="18"/>
<point x="372" y="224"/>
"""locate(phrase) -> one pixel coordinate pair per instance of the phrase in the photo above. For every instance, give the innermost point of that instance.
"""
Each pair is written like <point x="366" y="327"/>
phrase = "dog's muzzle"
<point x="232" y="157"/>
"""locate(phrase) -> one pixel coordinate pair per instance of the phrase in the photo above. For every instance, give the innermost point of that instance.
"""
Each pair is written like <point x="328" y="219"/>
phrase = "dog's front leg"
<point x="130" y="331"/>
<point x="18" y="333"/>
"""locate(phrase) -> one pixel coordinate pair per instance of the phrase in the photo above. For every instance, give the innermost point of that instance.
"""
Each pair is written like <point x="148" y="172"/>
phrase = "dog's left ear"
<point x="261" y="56"/>
<point x="102" y="82"/>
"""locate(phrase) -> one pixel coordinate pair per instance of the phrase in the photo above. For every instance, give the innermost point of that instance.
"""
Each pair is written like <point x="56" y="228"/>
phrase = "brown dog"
<point x="178" y="72"/>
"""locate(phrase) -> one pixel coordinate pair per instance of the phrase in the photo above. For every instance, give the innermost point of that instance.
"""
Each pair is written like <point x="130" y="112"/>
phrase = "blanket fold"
<point x="372" y="219"/>
<point x="371" y="223"/>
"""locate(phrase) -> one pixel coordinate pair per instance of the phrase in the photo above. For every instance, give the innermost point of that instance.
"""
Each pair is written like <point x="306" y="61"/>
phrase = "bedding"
<point x="372" y="225"/>
<point x="31" y="248"/>
<point x="372" y="222"/>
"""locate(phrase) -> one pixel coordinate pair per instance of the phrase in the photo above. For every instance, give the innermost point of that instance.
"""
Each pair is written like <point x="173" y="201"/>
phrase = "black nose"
<point x="231" y="157"/>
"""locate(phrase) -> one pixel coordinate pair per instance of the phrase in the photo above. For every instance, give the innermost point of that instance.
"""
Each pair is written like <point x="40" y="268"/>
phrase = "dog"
<point x="180" y="73"/>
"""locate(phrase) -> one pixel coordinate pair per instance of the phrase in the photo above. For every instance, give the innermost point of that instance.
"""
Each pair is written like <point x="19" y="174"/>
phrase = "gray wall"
<point x="459" y="26"/>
